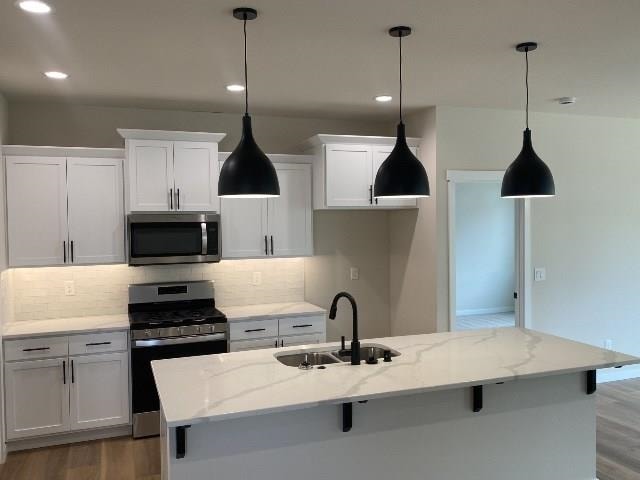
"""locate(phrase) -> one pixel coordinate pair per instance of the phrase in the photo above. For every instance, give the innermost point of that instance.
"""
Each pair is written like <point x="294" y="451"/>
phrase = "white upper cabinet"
<point x="36" y="210"/>
<point x="150" y="175"/>
<point x="380" y="154"/>
<point x="195" y="170"/>
<point x="345" y="168"/>
<point x="348" y="175"/>
<point x="171" y="171"/>
<point x="290" y="215"/>
<point x="274" y="227"/>
<point x="96" y="210"/>
<point x="64" y="209"/>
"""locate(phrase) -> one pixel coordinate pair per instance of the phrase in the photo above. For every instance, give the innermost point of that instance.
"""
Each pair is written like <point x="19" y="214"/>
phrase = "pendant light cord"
<point x="526" y="82"/>
<point x="400" y="63"/>
<point x="246" y="81"/>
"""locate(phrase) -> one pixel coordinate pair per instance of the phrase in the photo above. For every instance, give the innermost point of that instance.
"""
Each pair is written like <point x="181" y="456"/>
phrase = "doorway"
<point x="487" y="253"/>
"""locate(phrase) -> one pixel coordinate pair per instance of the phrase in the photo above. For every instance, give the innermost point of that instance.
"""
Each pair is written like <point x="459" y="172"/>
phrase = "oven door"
<point x="145" y="401"/>
<point x="163" y="238"/>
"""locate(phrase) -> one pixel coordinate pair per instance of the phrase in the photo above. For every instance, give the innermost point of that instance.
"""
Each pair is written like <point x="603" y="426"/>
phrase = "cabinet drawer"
<point x="30" y="348"/>
<point x="253" y="329"/>
<point x="309" y="339"/>
<point x="302" y="325"/>
<point x="244" y="345"/>
<point x="97" y="343"/>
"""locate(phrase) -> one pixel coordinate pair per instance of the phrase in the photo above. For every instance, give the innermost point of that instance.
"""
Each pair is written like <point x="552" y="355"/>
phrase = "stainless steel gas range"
<point x="168" y="320"/>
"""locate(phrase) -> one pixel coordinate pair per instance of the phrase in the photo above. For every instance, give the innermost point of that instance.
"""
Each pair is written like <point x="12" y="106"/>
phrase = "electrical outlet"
<point x="608" y="344"/>
<point x="257" y="278"/>
<point x="69" y="287"/>
<point x="540" y="274"/>
<point x="354" y="273"/>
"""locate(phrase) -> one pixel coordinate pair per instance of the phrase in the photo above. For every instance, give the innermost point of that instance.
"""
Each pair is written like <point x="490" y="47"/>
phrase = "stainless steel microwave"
<point x="163" y="238"/>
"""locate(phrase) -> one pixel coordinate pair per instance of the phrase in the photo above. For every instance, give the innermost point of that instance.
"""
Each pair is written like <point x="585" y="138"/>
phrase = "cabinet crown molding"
<point x="323" y="139"/>
<point x="170" y="135"/>
<point x="50" y="151"/>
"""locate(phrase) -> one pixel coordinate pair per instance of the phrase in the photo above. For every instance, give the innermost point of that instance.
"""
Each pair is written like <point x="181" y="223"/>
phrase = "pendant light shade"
<point x="528" y="176"/>
<point x="247" y="173"/>
<point x="401" y="175"/>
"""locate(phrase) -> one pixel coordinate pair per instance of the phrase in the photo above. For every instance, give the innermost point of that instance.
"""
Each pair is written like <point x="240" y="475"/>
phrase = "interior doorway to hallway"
<point x="486" y="253"/>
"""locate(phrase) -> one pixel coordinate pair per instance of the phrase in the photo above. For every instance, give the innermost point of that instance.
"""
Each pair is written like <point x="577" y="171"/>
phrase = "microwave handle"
<point x="203" y="226"/>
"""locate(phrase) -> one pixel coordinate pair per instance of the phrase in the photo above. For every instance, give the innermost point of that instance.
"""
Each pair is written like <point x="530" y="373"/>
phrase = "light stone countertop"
<point x="233" y="385"/>
<point x="271" y="310"/>
<point x="66" y="326"/>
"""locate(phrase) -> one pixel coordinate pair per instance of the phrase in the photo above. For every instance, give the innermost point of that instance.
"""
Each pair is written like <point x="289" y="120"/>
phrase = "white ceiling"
<point x="326" y="57"/>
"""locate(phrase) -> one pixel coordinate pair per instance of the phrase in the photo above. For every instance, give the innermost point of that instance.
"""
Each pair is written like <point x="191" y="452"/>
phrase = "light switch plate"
<point x="540" y="274"/>
<point x="69" y="287"/>
<point x="354" y="273"/>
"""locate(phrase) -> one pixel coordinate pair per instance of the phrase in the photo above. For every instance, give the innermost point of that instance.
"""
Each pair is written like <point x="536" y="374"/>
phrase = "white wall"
<point x="485" y="249"/>
<point x="587" y="236"/>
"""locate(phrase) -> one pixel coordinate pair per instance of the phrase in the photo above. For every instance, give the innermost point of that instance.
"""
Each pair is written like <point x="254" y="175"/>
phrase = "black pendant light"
<point x="528" y="176"/>
<point x="401" y="175"/>
<point x="247" y="173"/>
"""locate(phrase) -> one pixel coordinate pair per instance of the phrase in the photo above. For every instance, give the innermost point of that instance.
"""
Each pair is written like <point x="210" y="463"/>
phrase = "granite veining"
<point x="232" y="385"/>
<point x="66" y="326"/>
<point x="271" y="310"/>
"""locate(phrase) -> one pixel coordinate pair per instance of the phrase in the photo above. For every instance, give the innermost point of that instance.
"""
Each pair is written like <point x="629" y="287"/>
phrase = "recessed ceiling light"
<point x="34" y="6"/>
<point x="384" y="98"/>
<point x="235" y="88"/>
<point x="56" y="75"/>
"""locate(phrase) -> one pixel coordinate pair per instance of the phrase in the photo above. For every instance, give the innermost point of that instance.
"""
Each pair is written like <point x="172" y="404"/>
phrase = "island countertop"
<point x="233" y="385"/>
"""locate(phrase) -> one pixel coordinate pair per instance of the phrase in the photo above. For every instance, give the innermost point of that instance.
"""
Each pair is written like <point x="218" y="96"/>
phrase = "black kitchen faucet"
<point x="355" y="344"/>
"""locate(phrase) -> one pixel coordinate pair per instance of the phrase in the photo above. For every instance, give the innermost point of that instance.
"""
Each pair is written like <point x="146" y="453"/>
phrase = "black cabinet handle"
<point x="255" y="330"/>
<point x="282" y="343"/>
<point x="97" y="343"/>
<point x="39" y="349"/>
<point x="71" y="251"/>
<point x="64" y="372"/>
<point x="371" y="194"/>
<point x="265" y="246"/>
<point x="303" y="326"/>
<point x="73" y="373"/>
<point x="276" y="346"/>
<point x="271" y="244"/>
<point x="177" y="199"/>
<point x="64" y="250"/>
<point x="171" y="199"/>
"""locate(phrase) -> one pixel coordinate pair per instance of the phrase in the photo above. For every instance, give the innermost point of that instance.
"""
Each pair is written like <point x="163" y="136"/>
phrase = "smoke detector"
<point x="567" y="100"/>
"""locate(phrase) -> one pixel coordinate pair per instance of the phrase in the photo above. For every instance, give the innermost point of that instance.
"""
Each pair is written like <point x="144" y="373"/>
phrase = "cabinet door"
<point x="380" y="154"/>
<point x="150" y="175"/>
<point x="195" y="173"/>
<point x="301" y="340"/>
<point x="36" y="210"/>
<point x="244" y="227"/>
<point x="37" y="397"/>
<point x="290" y="214"/>
<point x="96" y="211"/>
<point x="99" y="390"/>
<point x="246" y="345"/>
<point x="348" y="175"/>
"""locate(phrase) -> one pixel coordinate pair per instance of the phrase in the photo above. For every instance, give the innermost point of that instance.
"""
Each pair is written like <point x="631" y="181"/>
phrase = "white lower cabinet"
<point x="37" y="397"/>
<point x="255" y="334"/>
<point x="99" y="390"/>
<point x="68" y="393"/>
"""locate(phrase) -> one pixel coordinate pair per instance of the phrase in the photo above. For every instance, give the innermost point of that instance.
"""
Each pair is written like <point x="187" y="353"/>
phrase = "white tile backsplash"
<point x="38" y="293"/>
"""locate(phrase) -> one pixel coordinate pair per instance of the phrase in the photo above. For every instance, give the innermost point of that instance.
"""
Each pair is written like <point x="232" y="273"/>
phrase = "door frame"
<point x="523" y="273"/>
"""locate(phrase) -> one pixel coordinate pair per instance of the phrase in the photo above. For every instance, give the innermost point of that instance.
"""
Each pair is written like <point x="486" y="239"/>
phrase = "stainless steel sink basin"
<point x="307" y="359"/>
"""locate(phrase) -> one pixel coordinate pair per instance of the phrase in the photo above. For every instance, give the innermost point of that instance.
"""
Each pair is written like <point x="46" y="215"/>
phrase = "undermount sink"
<point x="307" y="359"/>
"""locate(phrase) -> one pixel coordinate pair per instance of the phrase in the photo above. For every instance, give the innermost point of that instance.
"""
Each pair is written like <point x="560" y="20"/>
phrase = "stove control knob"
<point x="147" y="333"/>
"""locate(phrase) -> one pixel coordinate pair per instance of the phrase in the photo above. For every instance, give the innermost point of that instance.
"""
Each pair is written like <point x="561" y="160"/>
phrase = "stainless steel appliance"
<point x="176" y="237"/>
<point x="168" y="320"/>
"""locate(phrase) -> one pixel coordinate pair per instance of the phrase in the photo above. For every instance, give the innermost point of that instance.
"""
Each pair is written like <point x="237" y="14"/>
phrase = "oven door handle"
<point x="159" y="342"/>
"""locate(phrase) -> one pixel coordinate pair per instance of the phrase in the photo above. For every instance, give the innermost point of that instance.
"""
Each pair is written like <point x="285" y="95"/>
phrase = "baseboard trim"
<point x="615" y="374"/>
<point x="64" y="438"/>
<point x="484" y="311"/>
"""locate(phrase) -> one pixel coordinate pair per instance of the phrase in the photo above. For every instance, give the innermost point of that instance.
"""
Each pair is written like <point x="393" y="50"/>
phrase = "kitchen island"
<point x="499" y="404"/>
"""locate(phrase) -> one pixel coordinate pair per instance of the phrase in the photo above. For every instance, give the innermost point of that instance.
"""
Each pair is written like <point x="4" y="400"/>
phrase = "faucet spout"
<point x="355" y="343"/>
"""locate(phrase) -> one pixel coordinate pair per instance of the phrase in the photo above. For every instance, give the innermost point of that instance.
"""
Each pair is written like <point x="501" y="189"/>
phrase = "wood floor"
<point x="111" y="459"/>
<point x="487" y="320"/>
<point x="128" y="459"/>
